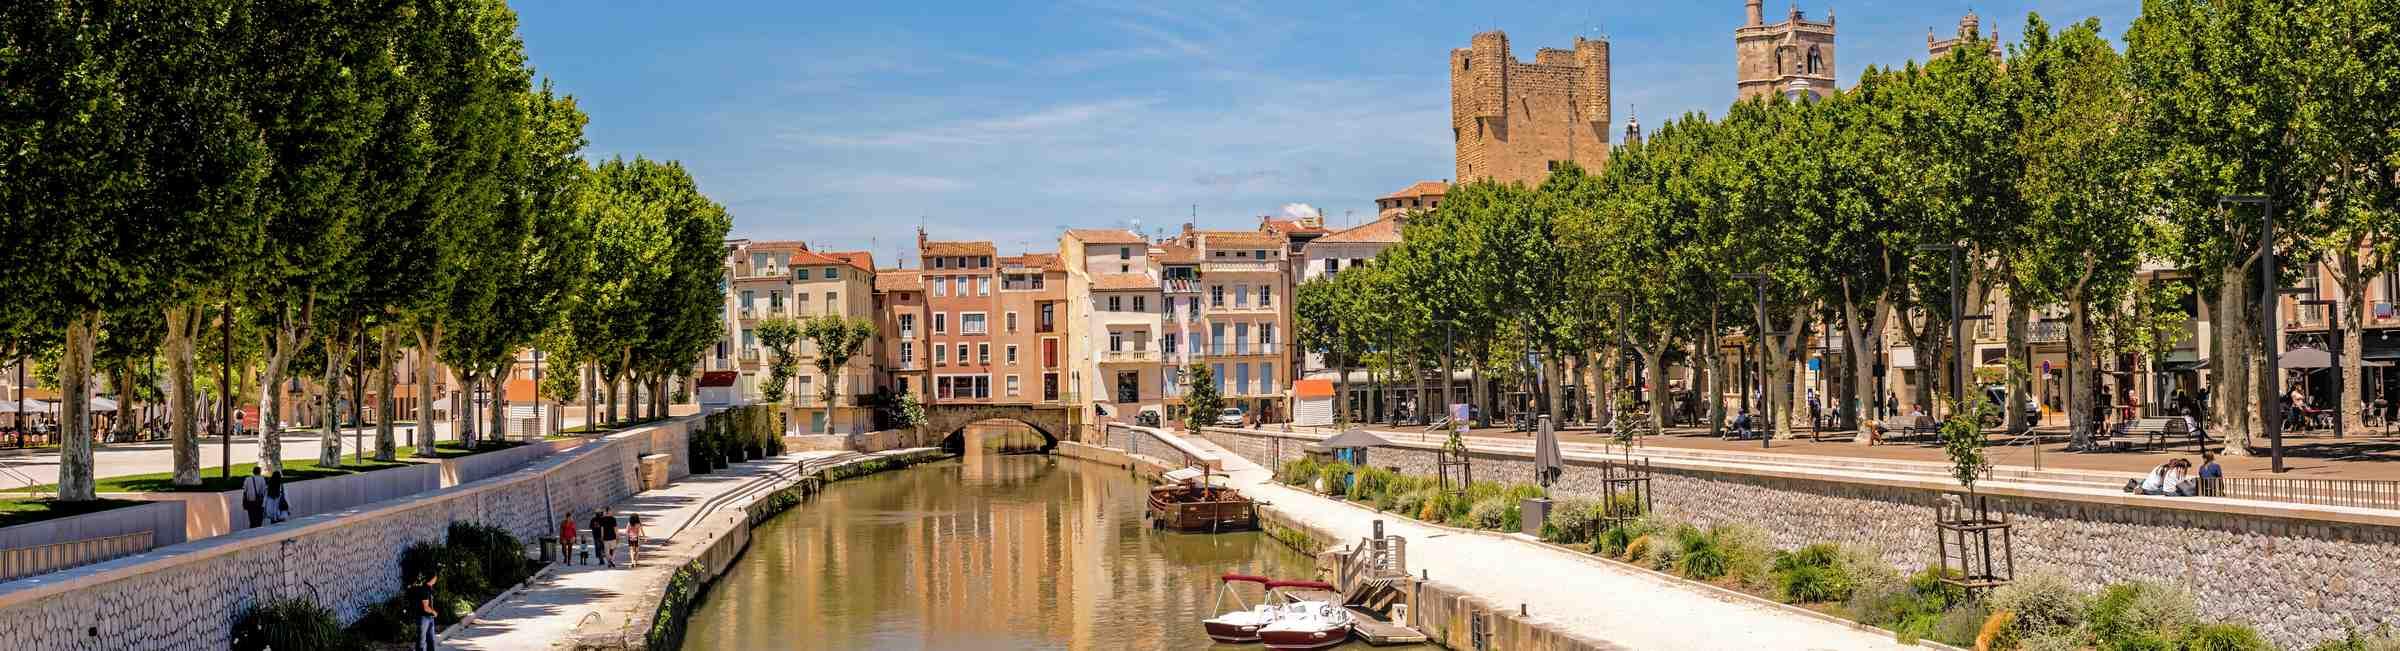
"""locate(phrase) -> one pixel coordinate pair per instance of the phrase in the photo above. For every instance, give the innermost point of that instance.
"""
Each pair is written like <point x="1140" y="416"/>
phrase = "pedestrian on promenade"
<point x="279" y="509"/>
<point x="608" y="532"/>
<point x="420" y="599"/>
<point x="254" y="497"/>
<point x="2212" y="476"/>
<point x="566" y="538"/>
<point x="600" y="539"/>
<point x="633" y="539"/>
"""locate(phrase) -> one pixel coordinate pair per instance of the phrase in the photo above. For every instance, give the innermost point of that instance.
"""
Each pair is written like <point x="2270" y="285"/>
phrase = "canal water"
<point x="986" y="551"/>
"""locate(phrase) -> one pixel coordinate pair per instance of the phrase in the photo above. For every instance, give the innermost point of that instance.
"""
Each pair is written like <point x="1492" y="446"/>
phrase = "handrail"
<point x="38" y="559"/>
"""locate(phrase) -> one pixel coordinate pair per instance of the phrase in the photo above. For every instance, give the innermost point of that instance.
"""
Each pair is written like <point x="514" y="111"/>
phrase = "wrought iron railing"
<point x="2354" y="493"/>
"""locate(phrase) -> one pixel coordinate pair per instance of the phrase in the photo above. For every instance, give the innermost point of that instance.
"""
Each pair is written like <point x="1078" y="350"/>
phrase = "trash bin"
<point x="549" y="549"/>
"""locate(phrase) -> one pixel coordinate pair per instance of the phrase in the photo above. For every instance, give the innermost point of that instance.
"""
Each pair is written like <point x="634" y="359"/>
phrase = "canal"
<point x="986" y="551"/>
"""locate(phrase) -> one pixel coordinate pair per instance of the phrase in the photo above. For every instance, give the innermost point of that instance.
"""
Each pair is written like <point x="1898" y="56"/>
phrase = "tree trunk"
<point x="2233" y="392"/>
<point x="1554" y="369"/>
<point x="386" y="448"/>
<point x="499" y="431"/>
<point x="329" y="447"/>
<point x="1652" y="354"/>
<point x="183" y="323"/>
<point x="75" y="480"/>
<point x="2081" y="367"/>
<point x="1341" y="390"/>
<point x="1416" y="366"/>
<point x="462" y="408"/>
<point x="2019" y="351"/>
<point x="1449" y="374"/>
<point x="427" y="338"/>
<point x="2352" y="396"/>
<point x="281" y="344"/>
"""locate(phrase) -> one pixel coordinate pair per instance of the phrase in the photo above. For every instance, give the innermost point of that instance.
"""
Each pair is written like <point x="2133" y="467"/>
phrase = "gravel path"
<point x="1580" y="594"/>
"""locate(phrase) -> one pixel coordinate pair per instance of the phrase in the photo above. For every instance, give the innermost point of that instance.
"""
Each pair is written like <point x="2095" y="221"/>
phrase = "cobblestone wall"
<point x="187" y="596"/>
<point x="2299" y="581"/>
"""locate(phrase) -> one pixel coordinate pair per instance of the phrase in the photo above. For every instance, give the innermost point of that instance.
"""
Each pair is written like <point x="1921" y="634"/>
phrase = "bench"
<point x="1920" y="425"/>
<point x="2155" y="432"/>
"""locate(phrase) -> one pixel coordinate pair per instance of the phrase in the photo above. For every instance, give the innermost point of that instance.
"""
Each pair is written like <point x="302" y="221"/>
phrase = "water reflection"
<point x="988" y="552"/>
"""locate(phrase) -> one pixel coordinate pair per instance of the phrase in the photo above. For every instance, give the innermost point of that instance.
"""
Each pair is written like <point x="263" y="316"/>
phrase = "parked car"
<point x="1230" y="416"/>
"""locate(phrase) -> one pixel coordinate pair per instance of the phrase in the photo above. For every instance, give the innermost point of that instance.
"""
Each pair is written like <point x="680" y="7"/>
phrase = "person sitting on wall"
<point x="1741" y="425"/>
<point x="2164" y="480"/>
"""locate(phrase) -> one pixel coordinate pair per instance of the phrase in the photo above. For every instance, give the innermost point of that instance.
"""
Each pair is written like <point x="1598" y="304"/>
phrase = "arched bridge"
<point x="1054" y="422"/>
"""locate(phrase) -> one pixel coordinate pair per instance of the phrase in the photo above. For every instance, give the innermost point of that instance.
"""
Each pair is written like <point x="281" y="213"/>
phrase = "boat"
<point x="1241" y="626"/>
<point x="1193" y="500"/>
<point x="1307" y="625"/>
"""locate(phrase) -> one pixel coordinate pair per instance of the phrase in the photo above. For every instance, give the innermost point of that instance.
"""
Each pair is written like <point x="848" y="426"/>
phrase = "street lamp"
<point x="1958" y="299"/>
<point x="2268" y="414"/>
<point x="1766" y="408"/>
<point x="2333" y="325"/>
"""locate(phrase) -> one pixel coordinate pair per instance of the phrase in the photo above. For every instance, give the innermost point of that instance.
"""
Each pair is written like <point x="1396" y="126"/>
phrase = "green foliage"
<point x="1201" y="402"/>
<point x="777" y="335"/>
<point x="1703" y="559"/>
<point x="288" y="624"/>
<point x="1299" y="472"/>
<point x="2140" y="615"/>
<point x="1368" y="482"/>
<point x="2381" y="639"/>
<point x="1813" y="574"/>
<point x="837" y="339"/>
<point x="1492" y="513"/>
<point x="1414" y="502"/>
<point x="1963" y="440"/>
<point x="1335" y="476"/>
<point x="2044" y="603"/>
<point x="683" y="591"/>
<point x="2223" y="637"/>
<point x="1571" y="522"/>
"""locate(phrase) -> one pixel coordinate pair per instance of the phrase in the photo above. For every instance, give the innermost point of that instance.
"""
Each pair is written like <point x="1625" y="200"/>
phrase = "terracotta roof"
<point x="898" y="280"/>
<point x="1289" y="226"/>
<point x="805" y="257"/>
<point x="1123" y="282"/>
<point x="1421" y="189"/>
<point x="1240" y="239"/>
<point x="1381" y="231"/>
<point x="774" y="244"/>
<point x="1042" y="261"/>
<point x="865" y="261"/>
<point x="1175" y="254"/>
<point x="960" y="248"/>
<point x="1105" y="236"/>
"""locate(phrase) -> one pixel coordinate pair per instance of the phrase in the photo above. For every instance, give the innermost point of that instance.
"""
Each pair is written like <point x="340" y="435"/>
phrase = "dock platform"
<point x="1369" y="626"/>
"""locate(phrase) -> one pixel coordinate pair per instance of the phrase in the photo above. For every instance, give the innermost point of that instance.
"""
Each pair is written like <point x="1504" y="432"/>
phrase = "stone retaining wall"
<point x="188" y="596"/>
<point x="2301" y="575"/>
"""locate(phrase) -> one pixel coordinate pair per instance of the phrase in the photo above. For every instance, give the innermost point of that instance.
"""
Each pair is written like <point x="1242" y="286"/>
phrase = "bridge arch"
<point x="945" y="422"/>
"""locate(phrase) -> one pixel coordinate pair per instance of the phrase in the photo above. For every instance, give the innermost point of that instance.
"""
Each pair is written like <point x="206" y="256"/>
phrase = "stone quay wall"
<point x="188" y="596"/>
<point x="2300" y="574"/>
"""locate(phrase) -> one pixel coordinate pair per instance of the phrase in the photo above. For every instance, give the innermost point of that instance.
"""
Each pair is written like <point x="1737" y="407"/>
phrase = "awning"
<point x="2181" y="361"/>
<point x="1306" y="389"/>
<point x="2305" y="358"/>
<point x="103" y="404"/>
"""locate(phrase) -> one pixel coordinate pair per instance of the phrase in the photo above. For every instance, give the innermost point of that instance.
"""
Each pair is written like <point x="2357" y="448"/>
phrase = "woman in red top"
<point x="566" y="539"/>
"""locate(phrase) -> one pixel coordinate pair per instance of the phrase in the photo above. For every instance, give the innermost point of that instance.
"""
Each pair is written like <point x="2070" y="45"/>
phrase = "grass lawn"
<point x="293" y="470"/>
<point x="21" y="511"/>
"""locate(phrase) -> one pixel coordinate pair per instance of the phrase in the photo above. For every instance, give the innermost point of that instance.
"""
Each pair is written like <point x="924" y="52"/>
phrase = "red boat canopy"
<point x="1320" y="585"/>
<point x="1229" y="578"/>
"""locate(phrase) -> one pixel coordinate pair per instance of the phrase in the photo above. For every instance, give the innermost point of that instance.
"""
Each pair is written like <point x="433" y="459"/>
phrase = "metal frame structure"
<point x="1964" y="533"/>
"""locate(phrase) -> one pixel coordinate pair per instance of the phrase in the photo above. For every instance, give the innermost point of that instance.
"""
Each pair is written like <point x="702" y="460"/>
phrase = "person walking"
<point x="566" y="539"/>
<point x="279" y="509"/>
<point x="607" y="532"/>
<point x="599" y="539"/>
<point x="420" y="599"/>
<point x="633" y="540"/>
<point x="254" y="497"/>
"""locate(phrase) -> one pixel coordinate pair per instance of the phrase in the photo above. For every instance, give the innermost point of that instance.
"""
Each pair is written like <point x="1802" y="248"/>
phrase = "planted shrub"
<point x="2224" y="637"/>
<point x="2381" y="639"/>
<point x="1999" y="632"/>
<point x="1614" y="541"/>
<point x="1336" y="475"/>
<point x="2140" y="615"/>
<point x="1299" y="472"/>
<point x="1747" y="553"/>
<point x="2042" y="602"/>
<point x="1702" y="558"/>
<point x="498" y="553"/>
<point x="288" y="624"/>
<point x="1493" y="513"/>
<point x="1370" y="482"/>
<point x="1812" y="574"/>
<point x="1413" y="502"/>
<point x="1960" y="625"/>
<point x="1571" y="522"/>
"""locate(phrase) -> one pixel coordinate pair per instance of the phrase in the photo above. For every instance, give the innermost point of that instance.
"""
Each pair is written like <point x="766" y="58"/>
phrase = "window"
<point x="1260" y="254"/>
<point x="1012" y="386"/>
<point x="941" y="355"/>
<point x="1012" y="321"/>
<point x="833" y="302"/>
<point x="1170" y="306"/>
<point x="1241" y="338"/>
<point x="1012" y="354"/>
<point x="937" y="262"/>
<point x="749" y="297"/>
<point x="832" y="273"/>
<point x="1218" y="371"/>
<point x="1113" y="305"/>
<point x="1046" y="323"/>
<point x="1166" y="344"/>
<point x="983" y="386"/>
<point x="983" y="285"/>
<point x="908" y="354"/>
<point x="775" y="300"/>
<point x="941" y="323"/>
<point x="1816" y="59"/>
<point x="1124" y="268"/>
<point x="1193" y="308"/>
<point x="1216" y="296"/>
<point x="1266" y="333"/>
<point x="1140" y="304"/>
<point x="1050" y="353"/>
<point x="1241" y="378"/>
<point x="908" y="326"/>
<point x="962" y="353"/>
<point x="1266" y="296"/>
<point x="1129" y="386"/>
<point x="1124" y="253"/>
<point x="1216" y="339"/>
<point x="972" y="323"/>
<point x="1266" y="377"/>
<point x="941" y="286"/>
<point x="983" y="354"/>
<point x="1332" y="265"/>
<point x="1050" y="386"/>
<point x="1116" y="341"/>
<point x="904" y="384"/>
<point x="749" y="338"/>
<point x="1241" y="295"/>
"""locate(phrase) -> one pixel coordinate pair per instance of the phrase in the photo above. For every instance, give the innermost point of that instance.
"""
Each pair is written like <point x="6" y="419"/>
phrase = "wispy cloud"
<point x="983" y="131"/>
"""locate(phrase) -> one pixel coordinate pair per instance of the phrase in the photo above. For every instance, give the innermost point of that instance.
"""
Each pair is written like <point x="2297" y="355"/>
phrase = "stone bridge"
<point x="1055" y="422"/>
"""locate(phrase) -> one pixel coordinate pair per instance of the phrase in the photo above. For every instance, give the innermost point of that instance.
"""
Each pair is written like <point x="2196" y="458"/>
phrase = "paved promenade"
<point x="599" y="601"/>
<point x="1575" y="593"/>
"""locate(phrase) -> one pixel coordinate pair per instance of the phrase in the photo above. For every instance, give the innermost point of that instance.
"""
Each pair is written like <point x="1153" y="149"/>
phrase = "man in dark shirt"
<point x="420" y="599"/>
<point x="603" y="532"/>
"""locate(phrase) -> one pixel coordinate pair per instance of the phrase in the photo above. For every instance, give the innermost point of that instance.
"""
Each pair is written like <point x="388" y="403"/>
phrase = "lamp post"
<point x="1958" y="299"/>
<point x="2268" y="414"/>
<point x="1766" y="407"/>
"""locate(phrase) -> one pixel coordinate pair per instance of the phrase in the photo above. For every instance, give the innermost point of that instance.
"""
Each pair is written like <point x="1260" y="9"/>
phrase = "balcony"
<point x="1214" y="267"/>
<point x="1128" y="356"/>
<point x="1228" y="350"/>
<point x="749" y="313"/>
<point x="1242" y="308"/>
<point x="2048" y="332"/>
<point x="775" y="310"/>
<point x="749" y="354"/>
<point x="1182" y="286"/>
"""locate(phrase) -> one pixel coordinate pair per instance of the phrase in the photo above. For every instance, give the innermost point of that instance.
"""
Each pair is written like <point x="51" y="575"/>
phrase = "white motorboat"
<point x="1308" y="625"/>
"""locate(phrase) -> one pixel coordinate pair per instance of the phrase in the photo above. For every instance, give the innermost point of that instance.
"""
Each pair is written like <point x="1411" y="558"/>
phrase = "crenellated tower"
<point x="1793" y="57"/>
<point x="1514" y="121"/>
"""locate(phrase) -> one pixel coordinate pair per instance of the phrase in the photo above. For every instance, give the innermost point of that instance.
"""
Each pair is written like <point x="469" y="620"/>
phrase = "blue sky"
<point x="848" y="124"/>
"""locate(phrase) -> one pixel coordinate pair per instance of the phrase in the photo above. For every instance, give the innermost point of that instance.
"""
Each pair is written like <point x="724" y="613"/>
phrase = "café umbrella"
<point x="1548" y="463"/>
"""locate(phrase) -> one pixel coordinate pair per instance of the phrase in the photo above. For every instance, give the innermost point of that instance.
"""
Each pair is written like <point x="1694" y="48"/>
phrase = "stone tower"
<point x="1792" y="57"/>
<point x="1514" y="121"/>
<point x="1969" y="32"/>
